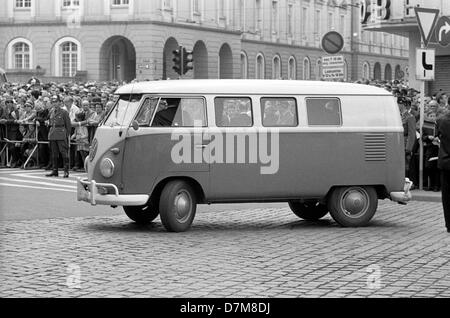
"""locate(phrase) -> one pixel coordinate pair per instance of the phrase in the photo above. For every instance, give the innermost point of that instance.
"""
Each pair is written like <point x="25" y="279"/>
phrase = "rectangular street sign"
<point x="333" y="67"/>
<point x="425" y="64"/>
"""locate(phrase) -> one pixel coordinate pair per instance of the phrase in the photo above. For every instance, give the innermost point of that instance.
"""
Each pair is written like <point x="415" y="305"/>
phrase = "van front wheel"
<point x="309" y="211"/>
<point x="142" y="214"/>
<point x="177" y="206"/>
<point x="353" y="206"/>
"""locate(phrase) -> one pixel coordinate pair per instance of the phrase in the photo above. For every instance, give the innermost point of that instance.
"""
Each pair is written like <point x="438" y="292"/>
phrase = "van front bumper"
<point x="91" y="192"/>
<point x="405" y="196"/>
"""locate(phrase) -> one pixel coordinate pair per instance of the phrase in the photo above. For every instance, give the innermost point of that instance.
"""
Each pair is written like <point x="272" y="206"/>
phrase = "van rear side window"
<point x="324" y="111"/>
<point x="279" y="112"/>
<point x="233" y="112"/>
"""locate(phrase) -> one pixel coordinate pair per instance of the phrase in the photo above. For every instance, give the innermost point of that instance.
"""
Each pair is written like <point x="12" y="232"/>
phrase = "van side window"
<point x="146" y="113"/>
<point x="180" y="112"/>
<point x="324" y="111"/>
<point x="279" y="112"/>
<point x="234" y="112"/>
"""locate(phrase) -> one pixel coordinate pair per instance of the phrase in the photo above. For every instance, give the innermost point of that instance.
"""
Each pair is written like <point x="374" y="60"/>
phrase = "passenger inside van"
<point x="165" y="114"/>
<point x="240" y="117"/>
<point x="271" y="115"/>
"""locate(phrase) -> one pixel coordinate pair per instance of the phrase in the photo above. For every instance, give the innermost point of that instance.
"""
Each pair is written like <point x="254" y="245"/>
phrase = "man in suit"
<point x="443" y="133"/>
<point x="409" y="126"/>
<point x="60" y="129"/>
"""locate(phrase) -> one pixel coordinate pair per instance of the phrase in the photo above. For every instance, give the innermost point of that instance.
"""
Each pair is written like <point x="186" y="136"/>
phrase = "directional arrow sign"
<point x="425" y="60"/>
<point x="443" y="31"/>
<point x="427" y="19"/>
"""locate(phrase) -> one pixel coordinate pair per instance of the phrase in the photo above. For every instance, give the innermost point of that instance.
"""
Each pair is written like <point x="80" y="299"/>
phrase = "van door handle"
<point x="201" y="146"/>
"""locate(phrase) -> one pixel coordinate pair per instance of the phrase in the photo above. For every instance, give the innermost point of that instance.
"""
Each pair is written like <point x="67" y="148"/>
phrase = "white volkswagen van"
<point x="322" y="147"/>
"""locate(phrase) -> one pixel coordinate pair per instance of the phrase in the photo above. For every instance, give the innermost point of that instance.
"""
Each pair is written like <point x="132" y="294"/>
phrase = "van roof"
<point x="251" y="87"/>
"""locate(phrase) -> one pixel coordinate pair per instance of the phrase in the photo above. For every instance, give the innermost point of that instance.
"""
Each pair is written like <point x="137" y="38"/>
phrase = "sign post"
<point x="425" y="68"/>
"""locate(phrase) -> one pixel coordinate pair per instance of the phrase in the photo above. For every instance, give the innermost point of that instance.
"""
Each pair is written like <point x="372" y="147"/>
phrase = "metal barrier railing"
<point x="5" y="142"/>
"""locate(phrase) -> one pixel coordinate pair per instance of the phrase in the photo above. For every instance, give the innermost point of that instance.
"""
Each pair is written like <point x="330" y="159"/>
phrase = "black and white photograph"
<point x="224" y="154"/>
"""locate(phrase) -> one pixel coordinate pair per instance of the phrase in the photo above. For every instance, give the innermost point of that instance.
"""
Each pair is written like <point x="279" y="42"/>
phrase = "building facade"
<point x="126" y="39"/>
<point x="401" y="20"/>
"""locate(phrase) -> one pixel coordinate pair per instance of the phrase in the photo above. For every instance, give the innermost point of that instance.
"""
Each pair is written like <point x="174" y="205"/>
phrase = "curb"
<point x="425" y="196"/>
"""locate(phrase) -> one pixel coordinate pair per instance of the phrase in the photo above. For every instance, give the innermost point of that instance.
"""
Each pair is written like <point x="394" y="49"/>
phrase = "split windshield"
<point x="124" y="111"/>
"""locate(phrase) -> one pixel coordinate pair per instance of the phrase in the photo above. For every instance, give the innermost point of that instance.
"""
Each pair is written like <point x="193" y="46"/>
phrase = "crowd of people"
<point x="26" y="110"/>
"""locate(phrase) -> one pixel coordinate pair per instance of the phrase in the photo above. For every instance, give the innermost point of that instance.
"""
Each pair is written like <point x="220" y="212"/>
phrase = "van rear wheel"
<point x="142" y="214"/>
<point x="309" y="211"/>
<point x="353" y="206"/>
<point x="177" y="206"/>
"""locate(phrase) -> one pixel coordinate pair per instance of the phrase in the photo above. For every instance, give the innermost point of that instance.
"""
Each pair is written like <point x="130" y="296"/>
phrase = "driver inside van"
<point x="165" y="115"/>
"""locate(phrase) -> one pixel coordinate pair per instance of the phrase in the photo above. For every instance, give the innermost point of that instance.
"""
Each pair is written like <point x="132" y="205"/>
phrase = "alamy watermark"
<point x="258" y="147"/>
<point x="73" y="280"/>
<point x="374" y="277"/>
<point x="73" y="20"/>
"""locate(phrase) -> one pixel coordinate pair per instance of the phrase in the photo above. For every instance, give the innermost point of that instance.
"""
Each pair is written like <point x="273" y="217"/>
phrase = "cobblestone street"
<point x="262" y="252"/>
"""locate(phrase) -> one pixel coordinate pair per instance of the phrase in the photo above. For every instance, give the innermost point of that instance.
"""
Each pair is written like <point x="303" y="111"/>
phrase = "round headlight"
<point x="107" y="168"/>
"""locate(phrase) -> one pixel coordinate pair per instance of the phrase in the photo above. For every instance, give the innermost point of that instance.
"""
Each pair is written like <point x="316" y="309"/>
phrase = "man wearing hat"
<point x="443" y="133"/>
<point x="59" y="134"/>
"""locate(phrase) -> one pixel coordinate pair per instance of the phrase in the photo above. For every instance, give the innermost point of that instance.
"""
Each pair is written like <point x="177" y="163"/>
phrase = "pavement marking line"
<point x="37" y="182"/>
<point x="71" y="181"/>
<point x="38" y="188"/>
<point x="7" y="171"/>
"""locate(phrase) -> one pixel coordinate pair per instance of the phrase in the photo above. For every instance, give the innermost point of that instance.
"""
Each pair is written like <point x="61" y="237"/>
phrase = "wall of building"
<point x="149" y="30"/>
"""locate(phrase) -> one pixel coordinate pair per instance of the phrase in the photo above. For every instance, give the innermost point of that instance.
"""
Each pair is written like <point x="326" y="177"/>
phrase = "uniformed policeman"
<point x="58" y="136"/>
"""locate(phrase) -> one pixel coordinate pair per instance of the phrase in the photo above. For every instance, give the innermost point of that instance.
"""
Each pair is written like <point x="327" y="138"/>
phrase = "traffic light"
<point x="188" y="61"/>
<point x="178" y="60"/>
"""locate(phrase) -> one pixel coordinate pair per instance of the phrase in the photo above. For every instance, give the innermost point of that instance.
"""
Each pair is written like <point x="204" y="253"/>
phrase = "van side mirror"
<point x="135" y="125"/>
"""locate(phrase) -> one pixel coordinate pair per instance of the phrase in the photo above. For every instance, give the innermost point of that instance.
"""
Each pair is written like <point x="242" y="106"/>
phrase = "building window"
<point x="342" y="25"/>
<point x="330" y="21"/>
<point x="317" y="23"/>
<point x="292" y="68"/>
<point x="242" y="14"/>
<point x="304" y="23"/>
<point x="196" y="6"/>
<point x="366" y="71"/>
<point x="21" y="56"/>
<point x="290" y="20"/>
<point x="345" y="71"/>
<point x="276" y="68"/>
<point x="274" y="17"/>
<point x="306" y="69"/>
<point x="244" y="65"/>
<point x="69" y="59"/>
<point x="260" y="69"/>
<point x="23" y="3"/>
<point x="71" y="3"/>
<point x="319" y="69"/>
<point x="120" y="2"/>
<point x="258" y="16"/>
<point x="222" y="7"/>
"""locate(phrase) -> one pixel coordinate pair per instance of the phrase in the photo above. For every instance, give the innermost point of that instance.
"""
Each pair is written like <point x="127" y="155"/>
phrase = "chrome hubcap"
<point x="355" y="202"/>
<point x="183" y="206"/>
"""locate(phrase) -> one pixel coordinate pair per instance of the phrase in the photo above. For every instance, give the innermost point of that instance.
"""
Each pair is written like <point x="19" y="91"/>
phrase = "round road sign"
<point x="332" y="42"/>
